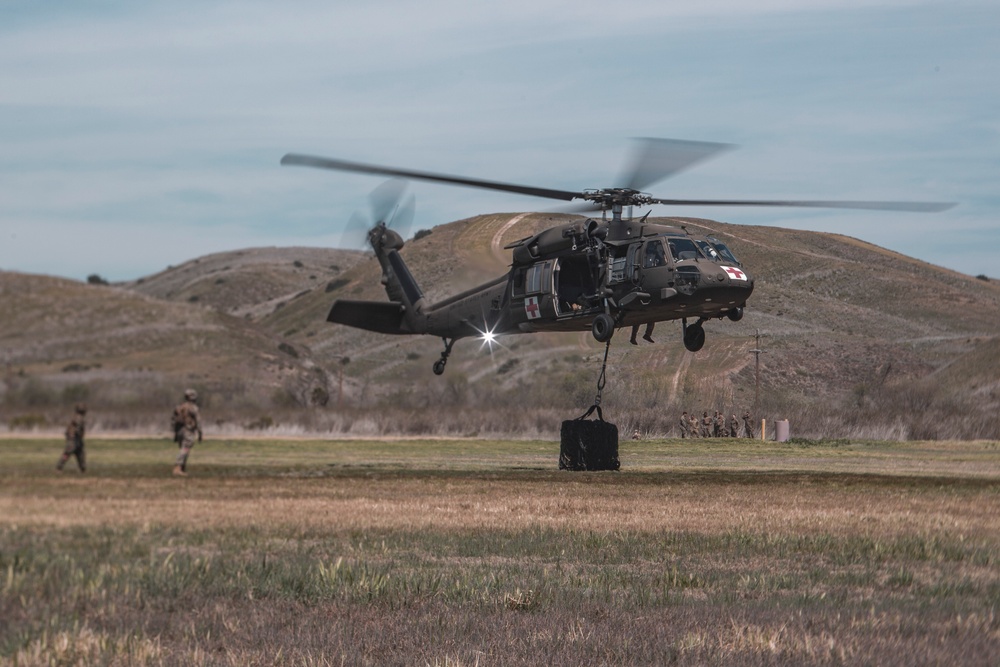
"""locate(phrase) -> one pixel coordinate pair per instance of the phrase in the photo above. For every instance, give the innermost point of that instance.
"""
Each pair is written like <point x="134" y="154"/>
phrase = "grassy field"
<point x="478" y="552"/>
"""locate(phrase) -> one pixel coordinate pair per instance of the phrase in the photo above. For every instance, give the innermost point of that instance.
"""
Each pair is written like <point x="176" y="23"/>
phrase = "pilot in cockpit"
<point x="654" y="255"/>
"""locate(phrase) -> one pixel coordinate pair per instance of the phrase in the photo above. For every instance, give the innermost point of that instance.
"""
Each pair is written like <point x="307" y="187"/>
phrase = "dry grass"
<point x="477" y="552"/>
<point x="860" y="343"/>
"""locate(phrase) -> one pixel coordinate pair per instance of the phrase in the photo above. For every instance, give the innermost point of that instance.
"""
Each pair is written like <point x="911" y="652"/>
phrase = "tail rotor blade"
<point x="384" y="200"/>
<point x="355" y="232"/>
<point x="402" y="221"/>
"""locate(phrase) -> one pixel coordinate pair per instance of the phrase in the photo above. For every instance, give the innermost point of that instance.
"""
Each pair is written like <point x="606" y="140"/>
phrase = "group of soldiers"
<point x="715" y="426"/>
<point x="186" y="423"/>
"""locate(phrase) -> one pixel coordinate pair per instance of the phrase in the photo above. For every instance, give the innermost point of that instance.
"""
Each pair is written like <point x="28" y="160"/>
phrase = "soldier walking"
<point x="718" y="425"/>
<point x="734" y="426"/>
<point x="706" y="425"/>
<point x="747" y="425"/>
<point x="187" y="426"/>
<point x="693" y="425"/>
<point x="684" y="423"/>
<point x="74" y="439"/>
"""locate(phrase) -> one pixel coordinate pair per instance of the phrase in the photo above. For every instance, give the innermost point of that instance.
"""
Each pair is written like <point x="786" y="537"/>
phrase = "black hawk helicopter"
<point x="593" y="275"/>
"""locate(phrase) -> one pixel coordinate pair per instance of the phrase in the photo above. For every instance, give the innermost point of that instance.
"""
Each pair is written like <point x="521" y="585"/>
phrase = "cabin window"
<point x="618" y="269"/>
<point x="539" y="278"/>
<point x="517" y="284"/>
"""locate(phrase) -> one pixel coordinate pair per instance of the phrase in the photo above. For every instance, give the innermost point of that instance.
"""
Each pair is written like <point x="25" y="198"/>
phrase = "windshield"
<point x="724" y="250"/>
<point x="708" y="250"/>
<point x="682" y="248"/>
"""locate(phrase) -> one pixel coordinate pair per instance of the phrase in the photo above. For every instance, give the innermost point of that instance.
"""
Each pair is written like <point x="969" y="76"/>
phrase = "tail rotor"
<point x="389" y="217"/>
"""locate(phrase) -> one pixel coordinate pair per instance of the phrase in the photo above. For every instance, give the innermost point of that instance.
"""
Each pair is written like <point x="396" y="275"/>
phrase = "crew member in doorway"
<point x="646" y="336"/>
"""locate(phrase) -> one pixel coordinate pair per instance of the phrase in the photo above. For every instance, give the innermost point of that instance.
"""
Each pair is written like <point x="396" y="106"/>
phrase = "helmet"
<point x="190" y="395"/>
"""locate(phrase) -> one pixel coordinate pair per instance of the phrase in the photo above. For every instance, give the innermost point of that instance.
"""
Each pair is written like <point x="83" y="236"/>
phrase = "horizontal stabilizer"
<point x="381" y="316"/>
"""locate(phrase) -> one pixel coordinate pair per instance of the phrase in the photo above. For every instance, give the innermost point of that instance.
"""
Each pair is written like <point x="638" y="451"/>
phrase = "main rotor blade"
<point x="913" y="206"/>
<point x="342" y="165"/>
<point x="655" y="159"/>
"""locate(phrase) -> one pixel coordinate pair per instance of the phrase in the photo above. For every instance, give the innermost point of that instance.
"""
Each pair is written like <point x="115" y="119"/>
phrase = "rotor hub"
<point x="609" y="198"/>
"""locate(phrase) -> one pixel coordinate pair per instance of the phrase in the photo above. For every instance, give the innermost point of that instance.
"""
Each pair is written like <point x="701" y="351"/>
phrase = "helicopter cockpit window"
<point x="708" y="250"/>
<point x="682" y="248"/>
<point x="654" y="255"/>
<point x="725" y="252"/>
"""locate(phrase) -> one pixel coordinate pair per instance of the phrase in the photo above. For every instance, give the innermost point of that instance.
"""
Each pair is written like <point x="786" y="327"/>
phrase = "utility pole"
<point x="340" y="384"/>
<point x="756" y="385"/>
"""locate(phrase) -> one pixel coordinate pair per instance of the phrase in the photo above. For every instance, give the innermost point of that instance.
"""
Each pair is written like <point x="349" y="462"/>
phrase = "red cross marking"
<point x="531" y="308"/>
<point x="735" y="273"/>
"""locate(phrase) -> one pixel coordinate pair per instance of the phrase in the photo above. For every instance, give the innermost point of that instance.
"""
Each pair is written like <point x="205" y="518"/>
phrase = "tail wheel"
<point x="603" y="328"/>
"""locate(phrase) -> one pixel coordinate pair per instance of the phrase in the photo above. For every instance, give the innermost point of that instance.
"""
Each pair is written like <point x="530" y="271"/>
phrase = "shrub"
<point x="75" y="393"/>
<point x="26" y="422"/>
<point x="95" y="279"/>
<point x="261" y="423"/>
<point x="335" y="284"/>
<point x="319" y="396"/>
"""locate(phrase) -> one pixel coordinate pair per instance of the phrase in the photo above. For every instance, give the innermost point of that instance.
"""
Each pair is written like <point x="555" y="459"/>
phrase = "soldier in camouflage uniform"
<point x="74" y="439"/>
<point x="684" y="424"/>
<point x="719" y="425"/>
<point x="187" y="426"/>
<point x="747" y="425"/>
<point x="693" y="430"/>
<point x="706" y="425"/>
<point x="734" y="426"/>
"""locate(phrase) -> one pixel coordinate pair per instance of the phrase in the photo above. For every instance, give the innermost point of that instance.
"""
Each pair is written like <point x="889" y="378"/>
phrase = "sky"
<point x="140" y="135"/>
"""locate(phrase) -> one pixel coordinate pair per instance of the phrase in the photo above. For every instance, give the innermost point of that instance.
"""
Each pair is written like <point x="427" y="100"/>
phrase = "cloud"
<point x="128" y="119"/>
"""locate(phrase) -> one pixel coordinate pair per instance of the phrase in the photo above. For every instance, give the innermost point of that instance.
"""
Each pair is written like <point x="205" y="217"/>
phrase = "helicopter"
<point x="593" y="274"/>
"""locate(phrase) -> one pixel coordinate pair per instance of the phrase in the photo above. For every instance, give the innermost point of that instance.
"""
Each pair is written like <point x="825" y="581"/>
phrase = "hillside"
<point x="251" y="281"/>
<point x="64" y="341"/>
<point x="857" y="340"/>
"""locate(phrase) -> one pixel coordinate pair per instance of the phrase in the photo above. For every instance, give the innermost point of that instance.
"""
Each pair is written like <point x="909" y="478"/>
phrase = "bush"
<point x="26" y="422"/>
<point x="95" y="279"/>
<point x="319" y="396"/>
<point x="335" y="284"/>
<point x="261" y="423"/>
<point x="75" y="393"/>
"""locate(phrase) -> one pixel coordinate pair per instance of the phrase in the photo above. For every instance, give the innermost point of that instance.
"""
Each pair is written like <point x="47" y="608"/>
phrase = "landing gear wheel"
<point x="440" y="363"/>
<point x="603" y="328"/>
<point x="694" y="337"/>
